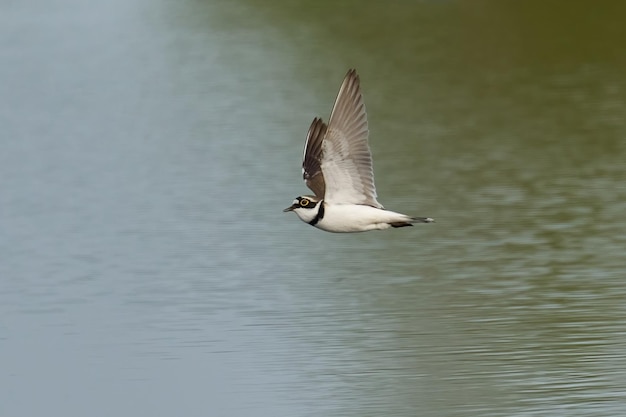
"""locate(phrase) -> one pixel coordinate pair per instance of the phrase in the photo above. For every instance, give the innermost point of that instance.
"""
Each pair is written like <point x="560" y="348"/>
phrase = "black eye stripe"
<point x="306" y="203"/>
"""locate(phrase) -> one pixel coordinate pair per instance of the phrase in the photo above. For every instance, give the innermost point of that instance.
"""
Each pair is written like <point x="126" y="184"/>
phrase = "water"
<point x="148" y="148"/>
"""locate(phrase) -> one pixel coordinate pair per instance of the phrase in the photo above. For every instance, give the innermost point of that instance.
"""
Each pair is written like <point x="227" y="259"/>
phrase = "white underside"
<point x="346" y="218"/>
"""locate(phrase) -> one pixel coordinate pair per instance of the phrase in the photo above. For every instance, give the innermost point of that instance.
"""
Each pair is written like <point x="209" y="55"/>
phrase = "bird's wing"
<point x="346" y="158"/>
<point x="311" y="161"/>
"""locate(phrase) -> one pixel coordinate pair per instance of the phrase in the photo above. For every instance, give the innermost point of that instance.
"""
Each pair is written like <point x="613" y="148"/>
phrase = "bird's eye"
<point x="304" y="202"/>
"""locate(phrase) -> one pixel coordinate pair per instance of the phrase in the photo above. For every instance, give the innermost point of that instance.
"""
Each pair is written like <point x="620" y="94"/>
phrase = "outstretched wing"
<point x="346" y="160"/>
<point x="311" y="161"/>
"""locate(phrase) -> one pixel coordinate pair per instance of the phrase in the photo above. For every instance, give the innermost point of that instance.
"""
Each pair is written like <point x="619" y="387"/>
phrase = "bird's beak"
<point x="290" y="208"/>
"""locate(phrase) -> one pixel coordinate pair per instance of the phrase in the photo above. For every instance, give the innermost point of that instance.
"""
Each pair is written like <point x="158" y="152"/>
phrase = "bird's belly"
<point x="350" y="218"/>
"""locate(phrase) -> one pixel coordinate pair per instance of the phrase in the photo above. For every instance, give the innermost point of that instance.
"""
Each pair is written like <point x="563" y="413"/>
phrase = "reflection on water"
<point x="147" y="267"/>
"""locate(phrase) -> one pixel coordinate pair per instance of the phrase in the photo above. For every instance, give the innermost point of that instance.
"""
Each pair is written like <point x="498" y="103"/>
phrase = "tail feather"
<point x="412" y="220"/>
<point x="422" y="220"/>
<point x="400" y="224"/>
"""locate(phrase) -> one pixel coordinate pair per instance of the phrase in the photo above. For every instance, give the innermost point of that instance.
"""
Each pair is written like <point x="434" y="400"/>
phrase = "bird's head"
<point x="305" y="206"/>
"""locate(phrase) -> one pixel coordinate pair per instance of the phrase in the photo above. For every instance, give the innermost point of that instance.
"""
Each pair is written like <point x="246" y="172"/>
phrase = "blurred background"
<point x="147" y="148"/>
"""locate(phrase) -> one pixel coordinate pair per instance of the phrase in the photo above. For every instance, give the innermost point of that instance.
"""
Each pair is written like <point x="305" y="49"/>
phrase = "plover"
<point x="337" y="167"/>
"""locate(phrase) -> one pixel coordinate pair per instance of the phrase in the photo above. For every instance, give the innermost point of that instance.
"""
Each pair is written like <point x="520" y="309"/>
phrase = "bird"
<point x="337" y="167"/>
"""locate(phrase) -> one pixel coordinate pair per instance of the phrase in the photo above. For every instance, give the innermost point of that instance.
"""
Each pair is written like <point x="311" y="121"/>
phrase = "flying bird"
<point x="337" y="167"/>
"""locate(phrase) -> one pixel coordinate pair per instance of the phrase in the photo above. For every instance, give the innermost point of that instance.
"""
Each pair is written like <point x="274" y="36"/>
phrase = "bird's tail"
<point x="412" y="220"/>
<point x="422" y="220"/>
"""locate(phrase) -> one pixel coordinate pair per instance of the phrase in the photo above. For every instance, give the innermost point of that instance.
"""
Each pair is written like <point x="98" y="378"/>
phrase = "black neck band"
<point x="319" y="216"/>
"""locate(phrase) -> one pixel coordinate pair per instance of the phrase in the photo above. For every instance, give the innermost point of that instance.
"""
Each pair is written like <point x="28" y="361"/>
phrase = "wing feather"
<point x="312" y="158"/>
<point x="346" y="159"/>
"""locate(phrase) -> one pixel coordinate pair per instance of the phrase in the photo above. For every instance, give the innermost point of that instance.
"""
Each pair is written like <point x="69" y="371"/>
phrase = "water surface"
<point x="148" y="148"/>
